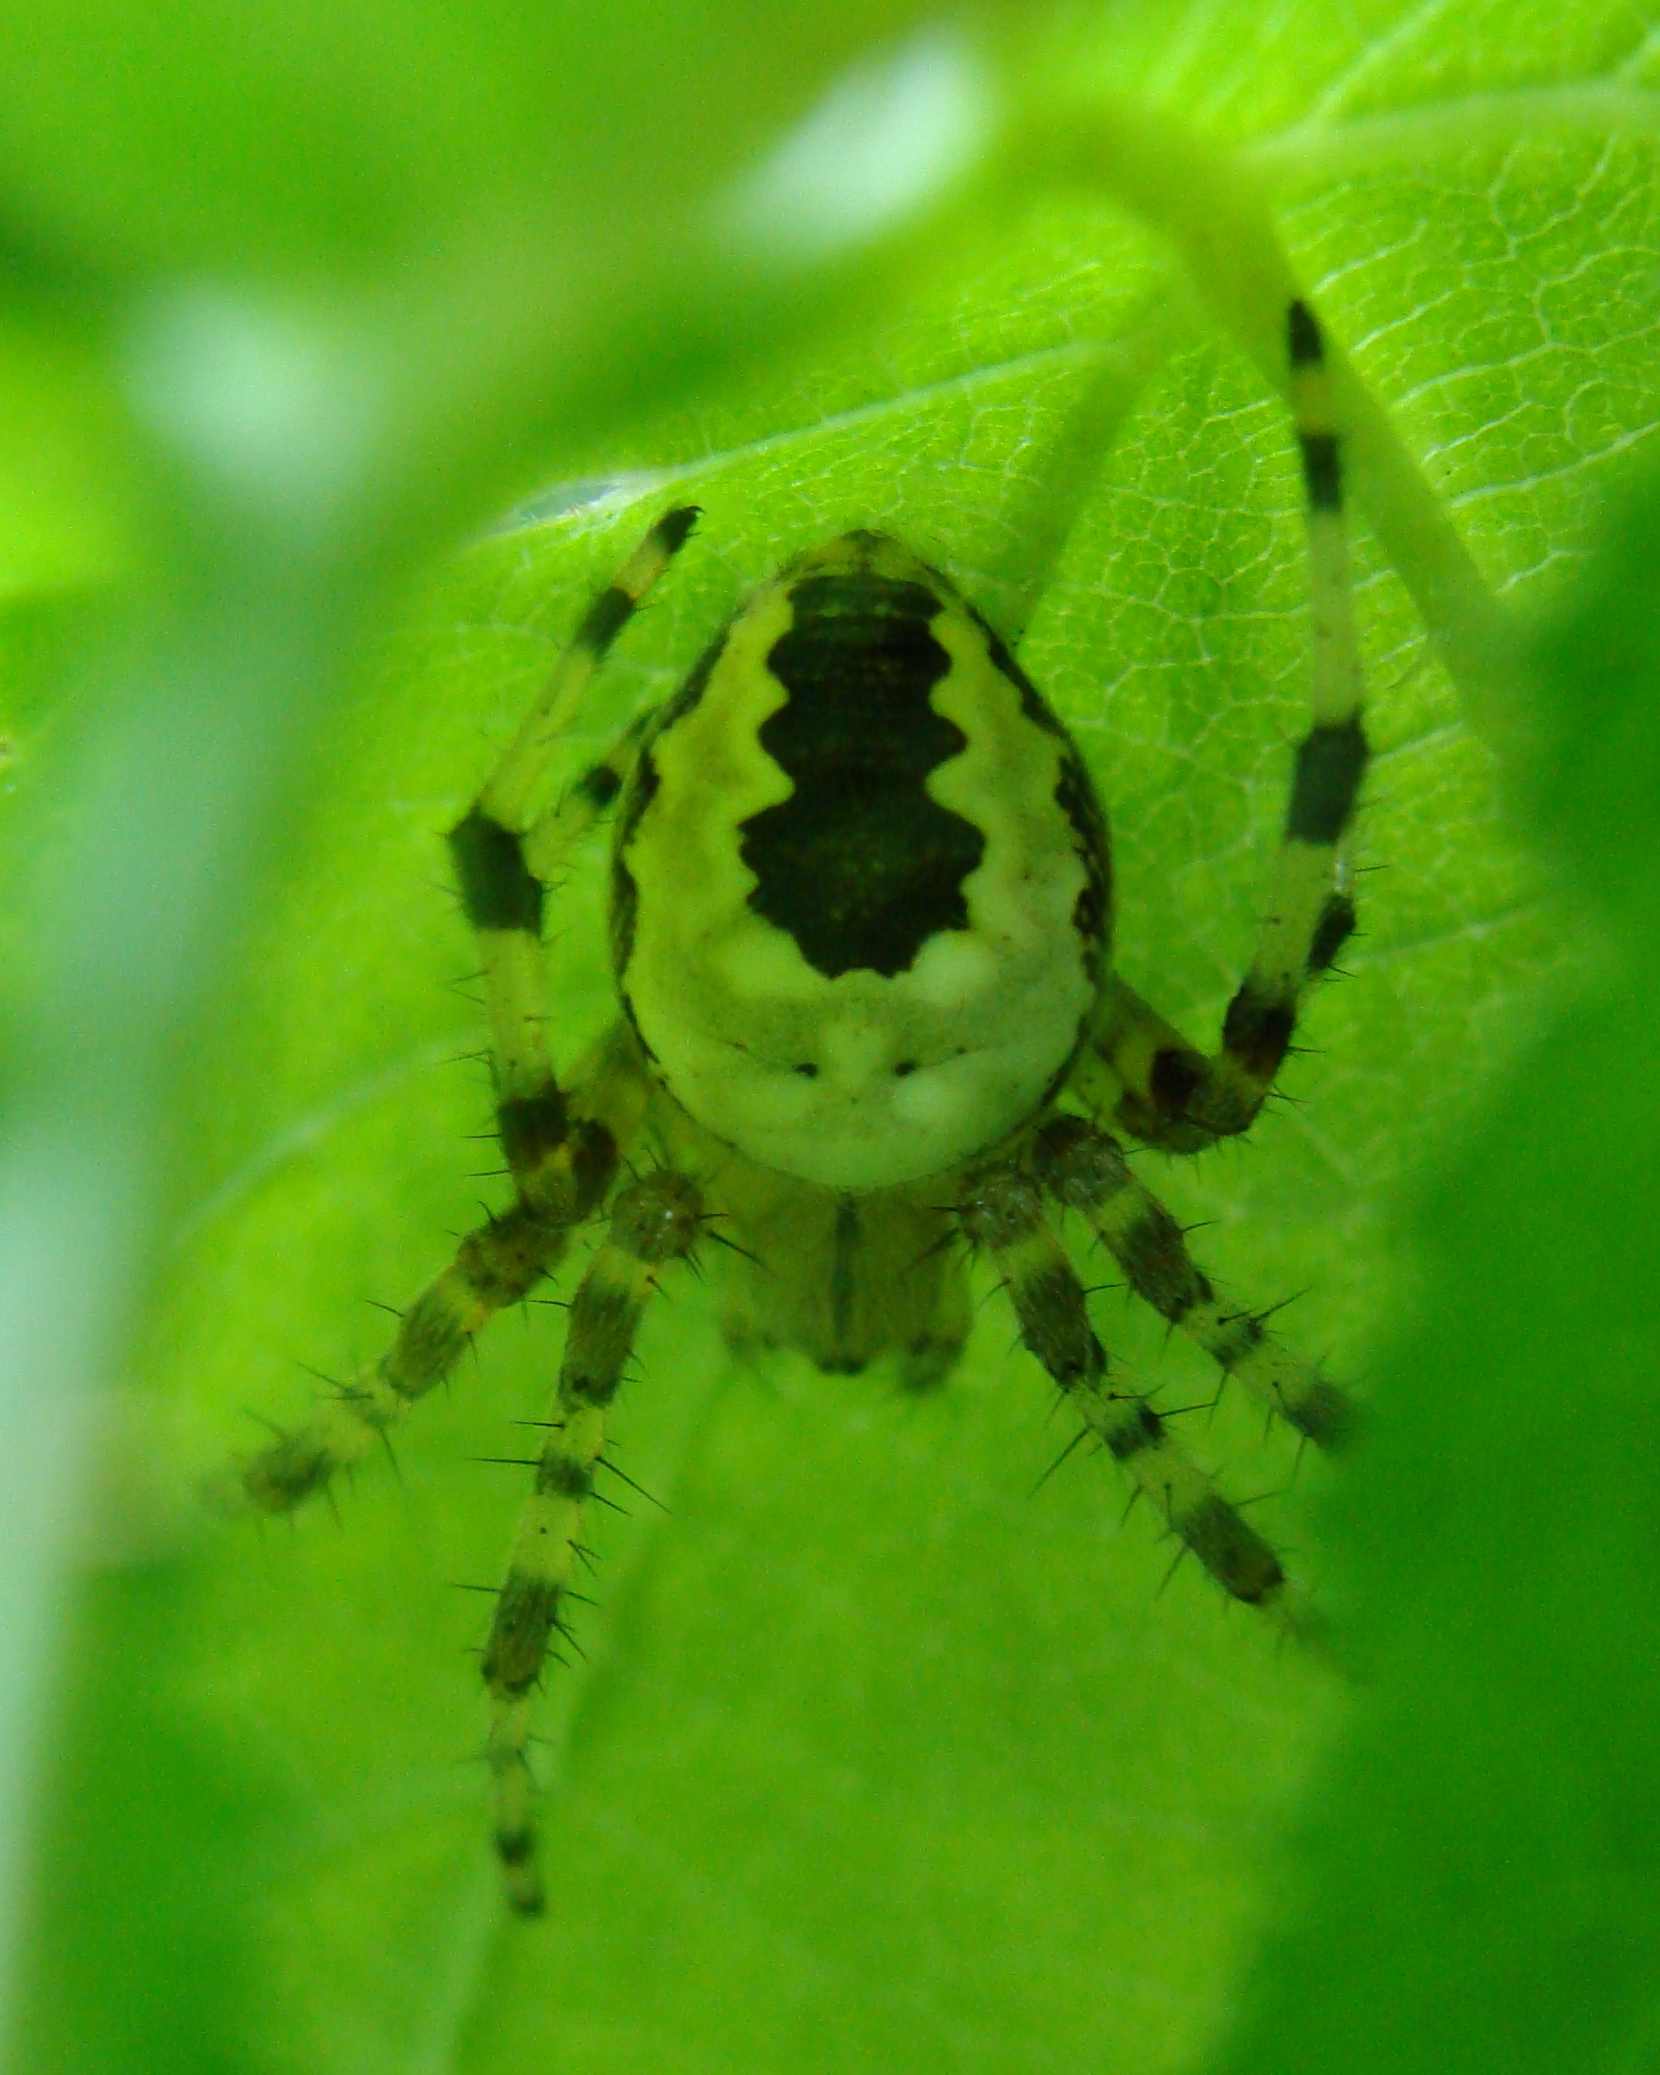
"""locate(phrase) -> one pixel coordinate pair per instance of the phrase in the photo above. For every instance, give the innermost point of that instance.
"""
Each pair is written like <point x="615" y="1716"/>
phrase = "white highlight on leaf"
<point x="273" y="405"/>
<point x="889" y="135"/>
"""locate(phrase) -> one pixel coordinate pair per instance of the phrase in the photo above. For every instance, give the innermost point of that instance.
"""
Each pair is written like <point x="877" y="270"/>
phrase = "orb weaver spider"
<point x="860" y="921"/>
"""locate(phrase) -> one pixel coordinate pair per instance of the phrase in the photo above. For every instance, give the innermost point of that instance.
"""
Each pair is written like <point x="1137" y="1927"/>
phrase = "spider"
<point x="868" y="1030"/>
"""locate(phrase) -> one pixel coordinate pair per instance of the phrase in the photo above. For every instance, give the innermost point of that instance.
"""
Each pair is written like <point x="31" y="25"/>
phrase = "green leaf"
<point x="875" y="1759"/>
<point x="1486" y="1839"/>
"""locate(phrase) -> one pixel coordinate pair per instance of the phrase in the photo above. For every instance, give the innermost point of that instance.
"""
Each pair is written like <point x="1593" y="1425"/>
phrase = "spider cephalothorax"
<point x="867" y="1019"/>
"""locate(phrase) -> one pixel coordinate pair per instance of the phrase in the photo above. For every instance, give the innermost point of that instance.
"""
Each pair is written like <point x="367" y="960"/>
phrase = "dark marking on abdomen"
<point x="860" y="866"/>
<point x="1092" y="910"/>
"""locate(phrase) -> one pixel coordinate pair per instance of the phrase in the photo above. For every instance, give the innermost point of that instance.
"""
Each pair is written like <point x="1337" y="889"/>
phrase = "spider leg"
<point x="1161" y="1087"/>
<point x="553" y="837"/>
<point x="495" y="1265"/>
<point x="502" y="893"/>
<point x="1083" y="1169"/>
<point x="1002" y="1212"/>
<point x="656" y="1220"/>
<point x="562" y="1153"/>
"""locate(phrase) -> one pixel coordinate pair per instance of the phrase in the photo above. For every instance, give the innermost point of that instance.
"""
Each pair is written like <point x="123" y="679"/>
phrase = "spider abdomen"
<point x="860" y="897"/>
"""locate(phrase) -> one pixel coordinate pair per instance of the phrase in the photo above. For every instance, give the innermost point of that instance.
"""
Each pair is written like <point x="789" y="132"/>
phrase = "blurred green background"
<point x="875" y="1759"/>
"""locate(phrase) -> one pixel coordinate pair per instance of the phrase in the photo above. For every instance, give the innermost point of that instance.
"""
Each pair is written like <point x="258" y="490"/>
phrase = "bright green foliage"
<point x="875" y="1760"/>
<point x="1486" y="1839"/>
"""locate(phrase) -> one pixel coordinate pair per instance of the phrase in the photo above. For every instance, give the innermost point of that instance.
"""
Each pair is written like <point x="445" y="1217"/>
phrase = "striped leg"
<point x="1003" y="1213"/>
<point x="656" y="1221"/>
<point x="553" y="839"/>
<point x="495" y="1265"/>
<point x="1083" y="1169"/>
<point x="1160" y="1087"/>
<point x="503" y="895"/>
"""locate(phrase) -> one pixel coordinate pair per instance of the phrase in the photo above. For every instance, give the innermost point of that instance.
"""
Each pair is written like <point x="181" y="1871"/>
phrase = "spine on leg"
<point x="495" y="1265"/>
<point x="656" y="1221"/>
<point x="1084" y="1170"/>
<point x="1003" y="1213"/>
